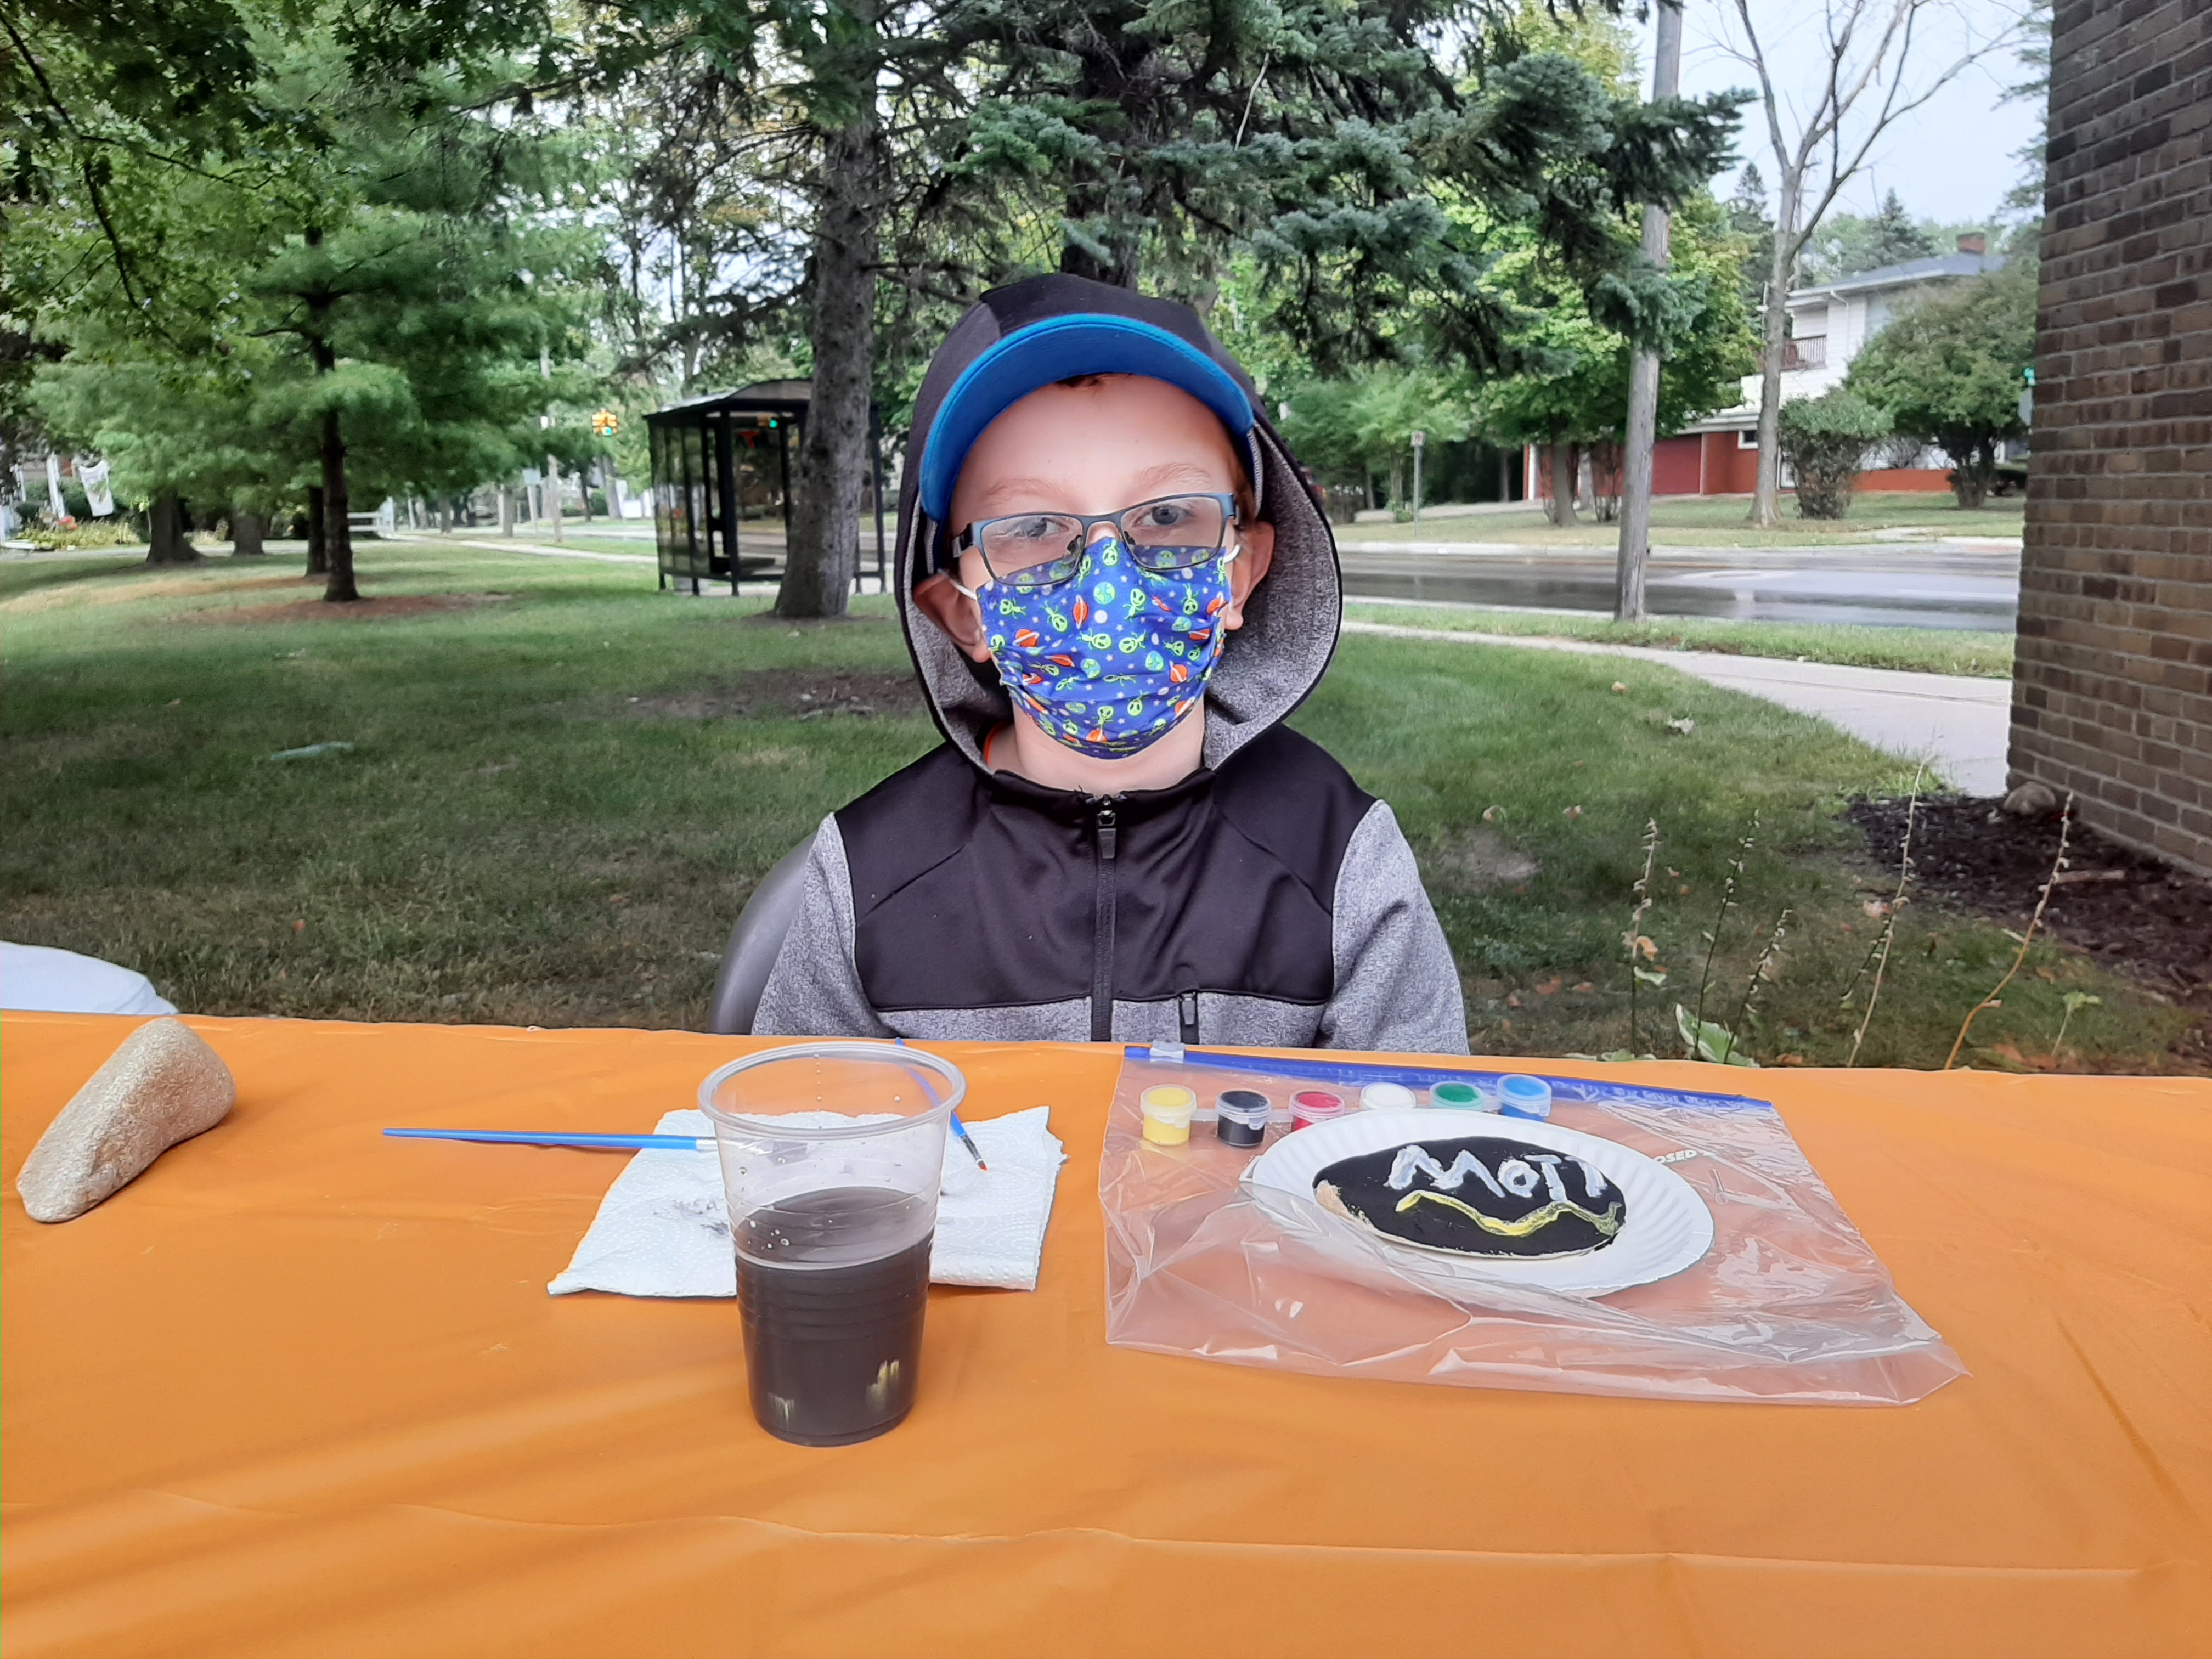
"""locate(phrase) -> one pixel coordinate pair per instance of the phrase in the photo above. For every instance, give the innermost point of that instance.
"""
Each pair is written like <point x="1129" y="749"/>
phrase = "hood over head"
<point x="1030" y="334"/>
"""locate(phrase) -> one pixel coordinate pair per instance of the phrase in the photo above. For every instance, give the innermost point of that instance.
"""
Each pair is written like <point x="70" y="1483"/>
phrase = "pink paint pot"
<point x="1312" y="1106"/>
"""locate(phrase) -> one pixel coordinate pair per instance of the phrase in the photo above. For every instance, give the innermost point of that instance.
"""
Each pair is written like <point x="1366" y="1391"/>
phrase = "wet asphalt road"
<point x="1887" y="585"/>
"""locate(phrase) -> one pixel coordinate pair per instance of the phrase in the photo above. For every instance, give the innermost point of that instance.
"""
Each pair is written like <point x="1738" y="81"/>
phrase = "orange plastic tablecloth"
<point x="299" y="1390"/>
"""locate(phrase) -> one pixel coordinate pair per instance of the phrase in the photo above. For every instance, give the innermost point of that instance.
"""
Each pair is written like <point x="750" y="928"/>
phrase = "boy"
<point x="1116" y="588"/>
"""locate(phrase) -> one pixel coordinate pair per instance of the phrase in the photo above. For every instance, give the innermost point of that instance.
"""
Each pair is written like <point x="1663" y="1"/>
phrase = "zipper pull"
<point x="1186" y="1012"/>
<point x="1108" y="828"/>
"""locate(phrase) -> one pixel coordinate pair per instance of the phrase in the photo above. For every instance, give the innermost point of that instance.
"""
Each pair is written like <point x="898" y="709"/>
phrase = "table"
<point x="300" y="1391"/>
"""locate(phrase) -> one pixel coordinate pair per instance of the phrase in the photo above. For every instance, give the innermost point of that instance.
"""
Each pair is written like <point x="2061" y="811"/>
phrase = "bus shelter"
<point x="721" y="457"/>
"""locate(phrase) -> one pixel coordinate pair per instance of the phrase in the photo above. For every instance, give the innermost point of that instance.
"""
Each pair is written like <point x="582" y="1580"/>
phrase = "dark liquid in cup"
<point x="832" y="1286"/>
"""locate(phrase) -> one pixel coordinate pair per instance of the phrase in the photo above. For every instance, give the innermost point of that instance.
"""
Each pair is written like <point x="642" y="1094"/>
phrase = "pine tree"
<point x="352" y="289"/>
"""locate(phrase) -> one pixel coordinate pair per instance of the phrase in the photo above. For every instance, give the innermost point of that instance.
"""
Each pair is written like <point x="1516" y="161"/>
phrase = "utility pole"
<point x="1643" y="366"/>
<point x="1420" y="442"/>
<point x="552" y="491"/>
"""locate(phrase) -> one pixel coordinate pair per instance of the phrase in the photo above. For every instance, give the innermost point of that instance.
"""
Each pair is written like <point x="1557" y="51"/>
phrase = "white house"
<point x="1828" y="327"/>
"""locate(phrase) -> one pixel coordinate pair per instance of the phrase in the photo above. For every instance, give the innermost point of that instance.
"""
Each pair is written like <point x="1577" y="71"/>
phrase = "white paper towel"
<point x="664" y="1228"/>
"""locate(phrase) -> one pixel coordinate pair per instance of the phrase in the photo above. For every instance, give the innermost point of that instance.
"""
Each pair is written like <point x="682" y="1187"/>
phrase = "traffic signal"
<point x="606" y="424"/>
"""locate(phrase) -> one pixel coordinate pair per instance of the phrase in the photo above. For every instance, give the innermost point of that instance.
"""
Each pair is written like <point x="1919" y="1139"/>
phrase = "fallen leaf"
<point x="2046" y="977"/>
<point x="1513" y="999"/>
<point x="1848" y="928"/>
<point x="1682" y="727"/>
<point x="1621" y="685"/>
<point x="1574" y="811"/>
<point x="1586" y="985"/>
<point x="1683" y="891"/>
<point x="1875" y="908"/>
<point x="1677" y="874"/>
<point x="1550" y="987"/>
<point x="300" y="927"/>
<point x="1489" y="815"/>
<point x="1790" y="1059"/>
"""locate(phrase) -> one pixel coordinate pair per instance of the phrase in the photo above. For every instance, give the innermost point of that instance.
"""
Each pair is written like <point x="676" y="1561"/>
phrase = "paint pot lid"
<point x="1520" y="1094"/>
<point x="1386" y="1097"/>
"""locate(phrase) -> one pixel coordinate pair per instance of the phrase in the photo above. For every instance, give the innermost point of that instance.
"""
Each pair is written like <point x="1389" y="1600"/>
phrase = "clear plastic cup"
<point x="831" y="1156"/>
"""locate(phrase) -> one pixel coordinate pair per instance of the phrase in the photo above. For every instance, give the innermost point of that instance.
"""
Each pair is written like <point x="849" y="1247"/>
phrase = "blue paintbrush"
<point x="532" y="1138"/>
<point x="615" y="1142"/>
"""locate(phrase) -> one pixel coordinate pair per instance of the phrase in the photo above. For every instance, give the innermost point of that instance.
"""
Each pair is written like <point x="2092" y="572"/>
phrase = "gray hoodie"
<point x="1265" y="900"/>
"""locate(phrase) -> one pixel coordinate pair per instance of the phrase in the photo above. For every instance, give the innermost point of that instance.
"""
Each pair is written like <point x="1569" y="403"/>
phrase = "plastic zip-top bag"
<point x="1749" y="1283"/>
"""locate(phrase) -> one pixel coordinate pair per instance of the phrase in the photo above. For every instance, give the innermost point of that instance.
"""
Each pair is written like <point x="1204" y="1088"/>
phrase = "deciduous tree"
<point x="1951" y="371"/>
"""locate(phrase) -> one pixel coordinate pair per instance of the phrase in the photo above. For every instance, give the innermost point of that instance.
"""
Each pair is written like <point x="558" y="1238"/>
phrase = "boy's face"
<point x="1093" y="448"/>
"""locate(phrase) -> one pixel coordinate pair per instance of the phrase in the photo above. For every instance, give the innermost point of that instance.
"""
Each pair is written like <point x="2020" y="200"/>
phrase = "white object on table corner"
<point x="40" y="978"/>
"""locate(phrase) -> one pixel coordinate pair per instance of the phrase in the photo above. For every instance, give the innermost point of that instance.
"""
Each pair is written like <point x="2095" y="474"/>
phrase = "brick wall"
<point x="2112" y="694"/>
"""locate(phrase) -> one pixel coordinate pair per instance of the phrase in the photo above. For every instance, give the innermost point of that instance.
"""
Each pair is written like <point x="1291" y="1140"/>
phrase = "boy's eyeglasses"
<point x="1174" y="536"/>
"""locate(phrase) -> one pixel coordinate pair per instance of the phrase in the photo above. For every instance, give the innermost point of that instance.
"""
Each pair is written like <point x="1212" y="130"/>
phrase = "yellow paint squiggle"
<point x="1608" y="1225"/>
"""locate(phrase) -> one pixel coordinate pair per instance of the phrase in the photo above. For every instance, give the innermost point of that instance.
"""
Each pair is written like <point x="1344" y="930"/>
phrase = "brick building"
<point x="2112" y="693"/>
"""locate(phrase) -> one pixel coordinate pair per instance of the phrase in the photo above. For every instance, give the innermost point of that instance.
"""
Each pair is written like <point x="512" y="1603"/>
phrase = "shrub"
<point x="1825" y="439"/>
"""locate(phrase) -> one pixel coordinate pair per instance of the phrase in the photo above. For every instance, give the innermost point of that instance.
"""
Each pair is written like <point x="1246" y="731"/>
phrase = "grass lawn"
<point x="564" y="784"/>
<point x="1716" y="521"/>
<point x="1926" y="650"/>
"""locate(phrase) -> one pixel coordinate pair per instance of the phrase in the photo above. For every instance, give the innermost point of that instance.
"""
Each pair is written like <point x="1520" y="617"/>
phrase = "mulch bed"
<point x="2141" y="916"/>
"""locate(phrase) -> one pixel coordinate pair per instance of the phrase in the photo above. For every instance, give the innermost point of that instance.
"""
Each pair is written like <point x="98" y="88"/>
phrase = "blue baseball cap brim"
<point x="1059" y="349"/>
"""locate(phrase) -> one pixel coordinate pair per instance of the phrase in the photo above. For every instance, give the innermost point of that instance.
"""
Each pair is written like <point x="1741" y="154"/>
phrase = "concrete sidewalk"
<point x="1959" y="725"/>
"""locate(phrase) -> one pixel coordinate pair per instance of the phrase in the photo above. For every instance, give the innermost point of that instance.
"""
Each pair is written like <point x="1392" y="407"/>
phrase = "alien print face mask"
<point x="1108" y="660"/>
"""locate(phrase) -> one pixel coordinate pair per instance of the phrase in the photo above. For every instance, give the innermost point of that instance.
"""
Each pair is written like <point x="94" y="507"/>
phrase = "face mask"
<point x="1108" y="662"/>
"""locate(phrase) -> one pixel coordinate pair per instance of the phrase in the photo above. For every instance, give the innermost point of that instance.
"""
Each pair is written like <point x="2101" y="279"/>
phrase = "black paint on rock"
<point x="1487" y="1196"/>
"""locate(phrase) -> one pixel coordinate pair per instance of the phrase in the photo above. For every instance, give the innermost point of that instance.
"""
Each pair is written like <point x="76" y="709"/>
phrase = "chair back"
<point x="754" y="943"/>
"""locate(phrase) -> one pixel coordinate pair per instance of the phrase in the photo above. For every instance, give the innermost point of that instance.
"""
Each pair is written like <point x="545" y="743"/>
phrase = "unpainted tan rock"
<point x="163" y="1085"/>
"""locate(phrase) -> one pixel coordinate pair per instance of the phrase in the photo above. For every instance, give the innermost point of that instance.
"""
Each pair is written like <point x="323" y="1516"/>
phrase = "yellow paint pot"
<point x="1167" y="1108"/>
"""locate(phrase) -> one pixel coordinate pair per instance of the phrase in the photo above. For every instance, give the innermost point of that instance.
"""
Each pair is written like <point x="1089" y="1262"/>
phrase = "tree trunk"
<point x="506" y="510"/>
<point x="1774" y="326"/>
<point x="337" y="532"/>
<point x="554" y="506"/>
<point x="245" y="530"/>
<point x="1973" y="465"/>
<point x="319" y="547"/>
<point x="166" y="523"/>
<point x="445" y="515"/>
<point x="1560" y="456"/>
<point x="822" y="530"/>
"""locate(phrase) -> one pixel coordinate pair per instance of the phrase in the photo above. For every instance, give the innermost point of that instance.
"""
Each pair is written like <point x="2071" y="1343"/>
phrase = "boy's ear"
<point x="1247" y="569"/>
<point x="956" y="616"/>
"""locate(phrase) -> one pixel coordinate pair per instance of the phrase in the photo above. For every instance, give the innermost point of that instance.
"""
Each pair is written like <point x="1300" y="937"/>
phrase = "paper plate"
<point x="1668" y="1226"/>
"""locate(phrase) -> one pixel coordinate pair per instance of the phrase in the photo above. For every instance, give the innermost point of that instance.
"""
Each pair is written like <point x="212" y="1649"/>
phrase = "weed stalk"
<point x="1633" y="938"/>
<point x="1728" y="903"/>
<point x="1880" y="954"/>
<point x="1760" y="973"/>
<point x="2057" y="864"/>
